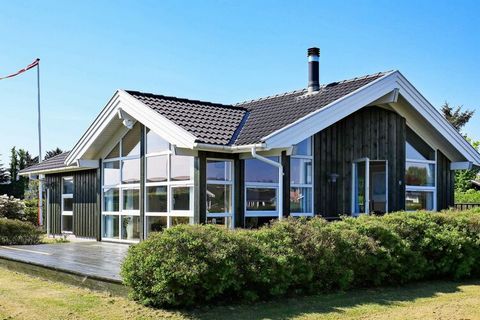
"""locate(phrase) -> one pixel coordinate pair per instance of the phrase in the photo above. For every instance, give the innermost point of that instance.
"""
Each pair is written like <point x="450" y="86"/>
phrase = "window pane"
<point x="181" y="220"/>
<point x="181" y="167"/>
<point x="418" y="200"/>
<point x="67" y="185"/>
<point x="181" y="198"/>
<point x="219" y="170"/>
<point x="68" y="204"/>
<point x="155" y="143"/>
<point x="157" y="168"/>
<point x="115" y="153"/>
<point x="131" y="142"/>
<point x="131" y="171"/>
<point x="130" y="227"/>
<point x="300" y="171"/>
<point x="303" y="148"/>
<point x="259" y="171"/>
<point x="222" y="221"/>
<point x="67" y="223"/>
<point x="110" y="226"/>
<point x="257" y="222"/>
<point x="301" y="200"/>
<point x="219" y="198"/>
<point x="111" y="173"/>
<point x="261" y="199"/>
<point x="131" y="199"/>
<point x="420" y="174"/>
<point x="110" y="200"/>
<point x="157" y="199"/>
<point x="156" y="224"/>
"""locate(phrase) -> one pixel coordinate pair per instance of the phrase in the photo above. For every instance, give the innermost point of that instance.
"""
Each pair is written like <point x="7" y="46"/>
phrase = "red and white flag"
<point x="30" y="66"/>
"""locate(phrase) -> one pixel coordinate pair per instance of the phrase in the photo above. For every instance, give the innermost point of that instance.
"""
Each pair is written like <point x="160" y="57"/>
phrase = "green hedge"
<point x="192" y="265"/>
<point x="469" y="196"/>
<point x="18" y="232"/>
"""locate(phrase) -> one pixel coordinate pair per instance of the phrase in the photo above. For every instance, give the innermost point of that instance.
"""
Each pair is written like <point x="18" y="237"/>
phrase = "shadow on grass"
<point x="329" y="303"/>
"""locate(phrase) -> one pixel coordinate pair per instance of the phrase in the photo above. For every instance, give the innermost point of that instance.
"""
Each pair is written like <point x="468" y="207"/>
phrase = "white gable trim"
<point x="121" y="100"/>
<point x="339" y="109"/>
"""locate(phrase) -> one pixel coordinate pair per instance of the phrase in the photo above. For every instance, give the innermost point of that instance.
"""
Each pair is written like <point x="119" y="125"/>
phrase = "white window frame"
<point x="170" y="184"/>
<point x="120" y="187"/>
<point x="230" y="183"/>
<point x="304" y="185"/>
<point x="263" y="185"/>
<point x="430" y="189"/>
<point x="66" y="196"/>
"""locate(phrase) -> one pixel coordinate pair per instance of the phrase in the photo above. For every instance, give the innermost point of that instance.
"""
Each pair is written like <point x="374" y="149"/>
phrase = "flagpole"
<point x="40" y="186"/>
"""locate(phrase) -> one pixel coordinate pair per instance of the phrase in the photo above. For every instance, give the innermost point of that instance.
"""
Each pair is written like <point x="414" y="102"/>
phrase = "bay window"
<point x="301" y="180"/>
<point x="220" y="192"/>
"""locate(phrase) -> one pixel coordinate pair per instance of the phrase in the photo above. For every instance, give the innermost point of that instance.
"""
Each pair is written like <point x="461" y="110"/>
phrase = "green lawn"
<point x="25" y="297"/>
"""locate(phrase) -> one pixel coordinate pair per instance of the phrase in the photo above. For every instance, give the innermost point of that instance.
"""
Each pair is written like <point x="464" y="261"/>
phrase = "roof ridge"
<point x="195" y="101"/>
<point x="305" y="89"/>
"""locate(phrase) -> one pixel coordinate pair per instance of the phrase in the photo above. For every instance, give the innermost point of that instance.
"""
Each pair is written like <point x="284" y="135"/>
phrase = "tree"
<point x="456" y="116"/>
<point x="4" y="175"/>
<point x="52" y="153"/>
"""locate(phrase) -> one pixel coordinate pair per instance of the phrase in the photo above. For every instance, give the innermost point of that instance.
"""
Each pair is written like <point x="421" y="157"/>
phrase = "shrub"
<point x="191" y="265"/>
<point x="469" y="196"/>
<point x="18" y="232"/>
<point x="11" y="207"/>
<point x="31" y="211"/>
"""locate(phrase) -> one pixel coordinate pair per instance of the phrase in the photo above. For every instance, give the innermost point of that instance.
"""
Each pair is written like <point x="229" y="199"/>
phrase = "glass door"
<point x="369" y="186"/>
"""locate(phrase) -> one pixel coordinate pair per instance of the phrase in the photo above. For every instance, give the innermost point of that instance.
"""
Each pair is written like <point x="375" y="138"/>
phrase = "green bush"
<point x="469" y="196"/>
<point x="11" y="208"/>
<point x="18" y="232"/>
<point x="192" y="265"/>
<point x="31" y="211"/>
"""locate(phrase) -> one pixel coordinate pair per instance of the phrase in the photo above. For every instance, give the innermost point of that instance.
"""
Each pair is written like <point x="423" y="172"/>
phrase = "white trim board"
<point x="121" y="100"/>
<point x="339" y="109"/>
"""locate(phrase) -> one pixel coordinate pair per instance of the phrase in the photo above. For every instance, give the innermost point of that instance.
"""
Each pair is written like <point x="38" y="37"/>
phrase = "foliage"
<point x="469" y="196"/>
<point x="192" y="265"/>
<point x="52" y="153"/>
<point x="457" y="117"/>
<point x="4" y="174"/>
<point x="11" y="208"/>
<point x="18" y="232"/>
<point x="31" y="211"/>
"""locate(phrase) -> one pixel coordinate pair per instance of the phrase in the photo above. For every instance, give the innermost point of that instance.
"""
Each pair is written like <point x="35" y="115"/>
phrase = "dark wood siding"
<point x="445" y="182"/>
<point x="372" y="132"/>
<point x="85" y="208"/>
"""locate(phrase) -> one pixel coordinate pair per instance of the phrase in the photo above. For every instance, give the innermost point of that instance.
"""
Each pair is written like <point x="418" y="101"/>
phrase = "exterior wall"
<point x="86" y="213"/>
<point x="445" y="182"/>
<point x="372" y="132"/>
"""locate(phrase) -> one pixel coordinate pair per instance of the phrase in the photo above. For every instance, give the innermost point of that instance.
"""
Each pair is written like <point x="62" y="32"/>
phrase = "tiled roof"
<point x="210" y="122"/>
<point x="54" y="162"/>
<point x="269" y="114"/>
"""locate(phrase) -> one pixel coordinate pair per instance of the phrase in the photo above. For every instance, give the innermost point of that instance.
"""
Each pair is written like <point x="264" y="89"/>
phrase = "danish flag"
<point x="30" y="66"/>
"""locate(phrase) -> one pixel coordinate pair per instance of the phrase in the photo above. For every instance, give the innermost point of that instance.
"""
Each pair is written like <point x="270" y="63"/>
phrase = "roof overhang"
<point x="118" y="113"/>
<point x="383" y="90"/>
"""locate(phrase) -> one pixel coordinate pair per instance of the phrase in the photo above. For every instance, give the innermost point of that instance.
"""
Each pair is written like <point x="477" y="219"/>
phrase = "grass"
<point x="52" y="240"/>
<point x="26" y="297"/>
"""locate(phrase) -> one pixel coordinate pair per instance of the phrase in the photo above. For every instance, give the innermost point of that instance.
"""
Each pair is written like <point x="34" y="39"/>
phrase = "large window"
<point x="301" y="180"/>
<point x="121" y="189"/>
<point x="261" y="190"/>
<point x="168" y="185"/>
<point x="220" y="192"/>
<point x="67" y="204"/>
<point x="420" y="175"/>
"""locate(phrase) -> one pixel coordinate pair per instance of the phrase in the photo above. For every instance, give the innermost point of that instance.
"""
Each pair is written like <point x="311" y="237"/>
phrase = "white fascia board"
<point x="328" y="115"/>
<point x="433" y="116"/>
<point x="462" y="165"/>
<point x="136" y="109"/>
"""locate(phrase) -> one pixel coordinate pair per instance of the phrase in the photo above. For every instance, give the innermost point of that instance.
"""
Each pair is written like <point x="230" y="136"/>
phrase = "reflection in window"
<point x="419" y="200"/>
<point x="111" y="200"/>
<point x="156" y="223"/>
<point x="157" y="168"/>
<point x="303" y="148"/>
<point x="181" y="198"/>
<point x="301" y="180"/>
<point x="111" y="226"/>
<point x="181" y="167"/>
<point x="301" y="200"/>
<point x="131" y="171"/>
<point x="130" y="227"/>
<point x="259" y="171"/>
<point x="155" y="143"/>
<point x="420" y="174"/>
<point x="261" y="199"/>
<point x="115" y="153"/>
<point x="131" y="142"/>
<point x="157" y="199"/>
<point x="219" y="198"/>
<point x="131" y="199"/>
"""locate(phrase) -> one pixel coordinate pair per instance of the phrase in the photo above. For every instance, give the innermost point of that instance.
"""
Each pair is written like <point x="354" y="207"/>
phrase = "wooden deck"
<point x="93" y="260"/>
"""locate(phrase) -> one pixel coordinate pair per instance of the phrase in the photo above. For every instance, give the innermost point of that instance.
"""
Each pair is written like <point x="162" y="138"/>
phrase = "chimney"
<point x="313" y="70"/>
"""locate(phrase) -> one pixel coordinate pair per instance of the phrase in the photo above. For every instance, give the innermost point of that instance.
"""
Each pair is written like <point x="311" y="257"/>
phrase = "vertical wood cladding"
<point x="372" y="132"/>
<point x="85" y="209"/>
<point x="445" y="182"/>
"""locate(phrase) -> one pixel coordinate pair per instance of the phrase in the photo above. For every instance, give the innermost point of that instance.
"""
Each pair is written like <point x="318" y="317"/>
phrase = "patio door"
<point x="369" y="186"/>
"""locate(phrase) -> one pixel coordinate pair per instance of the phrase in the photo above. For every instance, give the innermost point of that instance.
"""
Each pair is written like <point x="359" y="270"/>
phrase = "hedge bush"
<point x="18" y="232"/>
<point x="192" y="265"/>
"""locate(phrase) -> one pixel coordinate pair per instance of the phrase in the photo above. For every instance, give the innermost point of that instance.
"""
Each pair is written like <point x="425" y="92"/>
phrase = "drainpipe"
<point x="280" y="179"/>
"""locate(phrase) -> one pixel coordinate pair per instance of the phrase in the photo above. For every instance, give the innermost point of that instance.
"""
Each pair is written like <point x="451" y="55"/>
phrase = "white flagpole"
<point x="40" y="184"/>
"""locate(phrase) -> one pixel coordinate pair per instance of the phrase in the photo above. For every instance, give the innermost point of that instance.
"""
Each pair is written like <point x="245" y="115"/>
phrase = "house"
<point x="367" y="145"/>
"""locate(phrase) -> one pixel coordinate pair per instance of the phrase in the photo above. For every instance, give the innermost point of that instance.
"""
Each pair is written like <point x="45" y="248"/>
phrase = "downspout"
<point x="280" y="179"/>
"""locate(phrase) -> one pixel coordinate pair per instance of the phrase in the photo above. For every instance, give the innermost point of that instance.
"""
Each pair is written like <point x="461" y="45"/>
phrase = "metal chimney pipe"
<point x="313" y="69"/>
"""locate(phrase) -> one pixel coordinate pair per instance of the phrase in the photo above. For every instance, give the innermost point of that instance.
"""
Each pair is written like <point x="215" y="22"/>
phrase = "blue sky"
<point x="221" y="51"/>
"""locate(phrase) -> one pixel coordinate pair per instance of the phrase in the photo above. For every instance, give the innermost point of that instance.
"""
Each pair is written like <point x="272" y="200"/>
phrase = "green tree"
<point x="456" y="116"/>
<point x="4" y="175"/>
<point x="52" y="153"/>
<point x="463" y="178"/>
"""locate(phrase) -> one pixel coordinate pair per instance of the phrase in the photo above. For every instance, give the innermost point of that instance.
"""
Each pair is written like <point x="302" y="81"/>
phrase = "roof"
<point x="211" y="123"/>
<point x="54" y="162"/>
